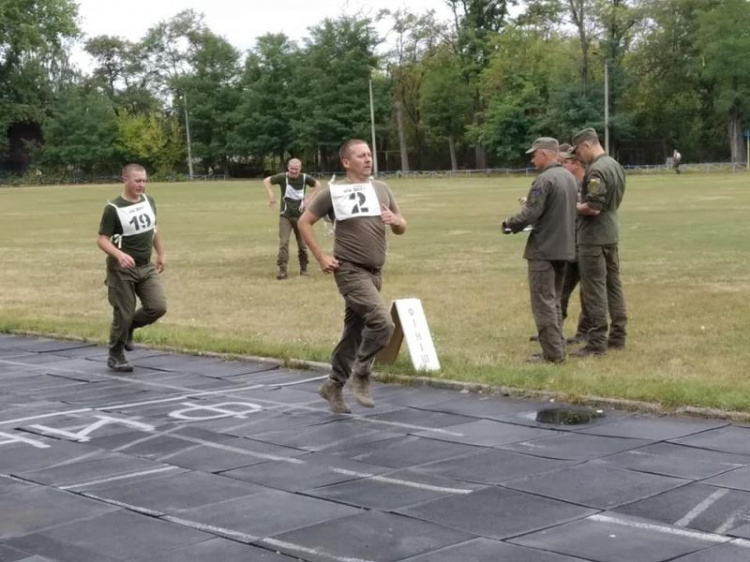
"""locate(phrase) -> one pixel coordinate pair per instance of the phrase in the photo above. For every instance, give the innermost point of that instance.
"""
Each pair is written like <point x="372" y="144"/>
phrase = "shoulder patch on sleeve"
<point x="595" y="185"/>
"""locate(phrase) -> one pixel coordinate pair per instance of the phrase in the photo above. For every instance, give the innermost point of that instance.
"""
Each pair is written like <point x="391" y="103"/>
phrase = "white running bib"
<point x="354" y="200"/>
<point x="295" y="194"/>
<point x="136" y="219"/>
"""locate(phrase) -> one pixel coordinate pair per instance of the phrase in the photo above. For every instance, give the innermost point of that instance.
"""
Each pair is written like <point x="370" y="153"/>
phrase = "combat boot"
<point x="303" y="271"/>
<point x="332" y="391"/>
<point x="130" y="344"/>
<point x="359" y="386"/>
<point x="282" y="273"/>
<point x="117" y="361"/>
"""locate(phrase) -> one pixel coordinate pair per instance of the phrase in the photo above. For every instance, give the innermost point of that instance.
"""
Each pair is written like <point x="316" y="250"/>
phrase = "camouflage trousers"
<point x="368" y="326"/>
<point x="545" y="287"/>
<point x="602" y="292"/>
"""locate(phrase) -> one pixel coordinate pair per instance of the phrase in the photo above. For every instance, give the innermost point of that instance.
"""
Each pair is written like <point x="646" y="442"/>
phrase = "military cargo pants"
<point x="286" y="227"/>
<point x="368" y="326"/>
<point x="123" y="286"/>
<point x="602" y="291"/>
<point x="572" y="277"/>
<point x="545" y="287"/>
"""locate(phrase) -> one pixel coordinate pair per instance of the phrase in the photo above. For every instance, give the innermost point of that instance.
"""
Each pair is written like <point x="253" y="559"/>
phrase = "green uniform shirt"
<point x="139" y="245"/>
<point x="292" y="192"/>
<point x="551" y="208"/>
<point x="603" y="189"/>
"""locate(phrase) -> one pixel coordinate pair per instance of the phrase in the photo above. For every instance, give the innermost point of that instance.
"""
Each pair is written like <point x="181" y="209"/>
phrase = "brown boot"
<point x="360" y="389"/>
<point x="332" y="391"/>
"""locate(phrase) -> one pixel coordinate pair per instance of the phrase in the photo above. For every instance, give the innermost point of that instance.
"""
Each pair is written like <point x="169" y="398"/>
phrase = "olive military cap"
<point x="583" y="135"/>
<point x="543" y="143"/>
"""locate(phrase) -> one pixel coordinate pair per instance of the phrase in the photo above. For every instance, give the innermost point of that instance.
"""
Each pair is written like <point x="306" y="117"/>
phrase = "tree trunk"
<point x="480" y="154"/>
<point x="734" y="130"/>
<point x="452" y="148"/>
<point x="402" y="136"/>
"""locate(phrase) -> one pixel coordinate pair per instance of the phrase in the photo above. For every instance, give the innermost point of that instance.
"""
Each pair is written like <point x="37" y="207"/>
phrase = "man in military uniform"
<point x="127" y="234"/>
<point x="602" y="191"/>
<point x="551" y="208"/>
<point x="293" y="184"/>
<point x="365" y="209"/>
<point x="575" y="166"/>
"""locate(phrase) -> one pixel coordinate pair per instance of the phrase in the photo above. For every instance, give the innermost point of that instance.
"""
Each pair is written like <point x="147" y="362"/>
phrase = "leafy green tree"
<point x="121" y="73"/>
<point x="155" y="143"/>
<point x="724" y="45"/>
<point x="333" y="92"/>
<point x="267" y="108"/>
<point x="33" y="58"/>
<point x="81" y="133"/>
<point x="477" y="25"/>
<point x="446" y="102"/>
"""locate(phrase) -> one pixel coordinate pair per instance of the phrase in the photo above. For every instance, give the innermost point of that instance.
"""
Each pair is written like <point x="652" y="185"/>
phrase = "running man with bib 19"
<point x="364" y="209"/>
<point x="128" y="234"/>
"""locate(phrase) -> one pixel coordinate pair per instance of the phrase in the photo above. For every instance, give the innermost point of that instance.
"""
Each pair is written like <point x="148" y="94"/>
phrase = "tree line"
<point x="471" y="91"/>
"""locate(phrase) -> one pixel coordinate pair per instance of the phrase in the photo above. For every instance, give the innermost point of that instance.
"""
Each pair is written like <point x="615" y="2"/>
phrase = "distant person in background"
<point x="602" y="191"/>
<point x="128" y="234"/>
<point x="676" y="159"/>
<point x="550" y="207"/>
<point x="365" y="211"/>
<point x="293" y="184"/>
<point x="575" y="166"/>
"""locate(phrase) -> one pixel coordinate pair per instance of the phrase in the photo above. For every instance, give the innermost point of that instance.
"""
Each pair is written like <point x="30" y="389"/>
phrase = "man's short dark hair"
<point x="346" y="147"/>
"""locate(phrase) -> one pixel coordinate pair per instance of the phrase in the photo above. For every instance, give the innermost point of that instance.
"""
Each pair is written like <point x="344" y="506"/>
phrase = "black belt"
<point x="142" y="262"/>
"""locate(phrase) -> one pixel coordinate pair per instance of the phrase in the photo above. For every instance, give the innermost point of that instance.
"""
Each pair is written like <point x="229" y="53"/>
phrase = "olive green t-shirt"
<point x="138" y="245"/>
<point x="602" y="190"/>
<point x="360" y="240"/>
<point x="292" y="192"/>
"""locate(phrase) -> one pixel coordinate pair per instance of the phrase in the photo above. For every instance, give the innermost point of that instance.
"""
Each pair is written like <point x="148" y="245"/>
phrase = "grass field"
<point x="684" y="259"/>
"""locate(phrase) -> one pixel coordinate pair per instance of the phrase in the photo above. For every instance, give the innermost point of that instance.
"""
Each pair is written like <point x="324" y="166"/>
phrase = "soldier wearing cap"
<point x="551" y="208"/>
<point x="602" y="191"/>
<point x="577" y="167"/>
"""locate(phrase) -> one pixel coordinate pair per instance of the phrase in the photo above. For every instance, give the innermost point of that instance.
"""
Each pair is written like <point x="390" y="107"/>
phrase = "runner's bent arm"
<point x="305" y="225"/>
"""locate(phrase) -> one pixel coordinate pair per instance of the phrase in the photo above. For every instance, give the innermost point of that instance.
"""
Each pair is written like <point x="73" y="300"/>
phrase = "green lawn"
<point x="684" y="258"/>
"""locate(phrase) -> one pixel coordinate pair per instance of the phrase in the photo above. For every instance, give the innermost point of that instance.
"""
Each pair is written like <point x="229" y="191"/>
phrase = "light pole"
<point x="606" y="106"/>
<point x="187" y="134"/>
<point x="372" y="129"/>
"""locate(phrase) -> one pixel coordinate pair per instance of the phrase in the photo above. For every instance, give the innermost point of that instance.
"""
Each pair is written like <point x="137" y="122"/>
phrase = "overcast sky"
<point x="239" y="22"/>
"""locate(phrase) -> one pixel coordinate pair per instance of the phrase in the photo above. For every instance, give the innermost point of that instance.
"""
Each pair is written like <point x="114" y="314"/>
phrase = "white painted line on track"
<point x="211" y="529"/>
<point x="701" y="507"/>
<point x="732" y="519"/>
<point x="136" y="508"/>
<point x="318" y="553"/>
<point x="49" y="415"/>
<point x="697" y="535"/>
<point x="119" y="477"/>
<point x="148" y="437"/>
<point x="400" y="482"/>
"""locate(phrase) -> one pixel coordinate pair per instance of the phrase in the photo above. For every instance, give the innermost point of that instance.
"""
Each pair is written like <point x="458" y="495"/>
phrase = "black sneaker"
<point x="117" y="362"/>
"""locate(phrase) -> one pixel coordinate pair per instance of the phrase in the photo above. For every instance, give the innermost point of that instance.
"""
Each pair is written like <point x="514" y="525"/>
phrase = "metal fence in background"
<point x="698" y="168"/>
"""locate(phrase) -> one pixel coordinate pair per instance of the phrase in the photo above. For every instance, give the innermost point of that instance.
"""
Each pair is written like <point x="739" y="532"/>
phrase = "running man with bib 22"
<point x="128" y="234"/>
<point x="364" y="210"/>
